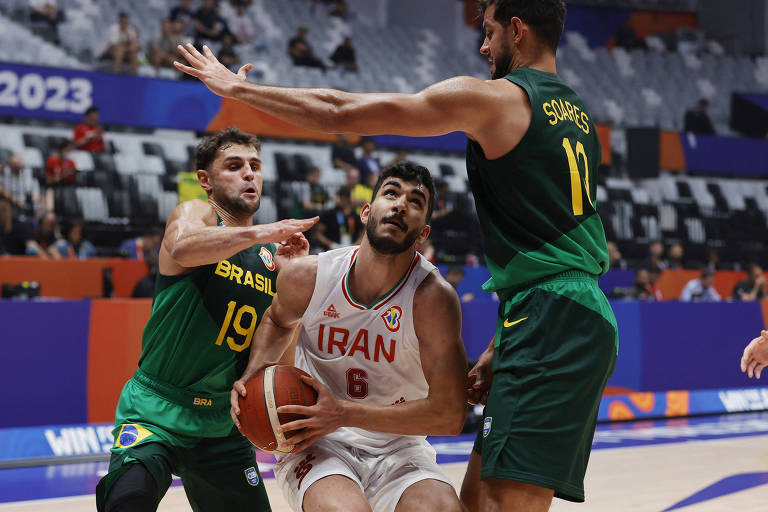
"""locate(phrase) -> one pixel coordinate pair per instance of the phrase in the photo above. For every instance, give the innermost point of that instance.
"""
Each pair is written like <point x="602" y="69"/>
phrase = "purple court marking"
<point x="728" y="485"/>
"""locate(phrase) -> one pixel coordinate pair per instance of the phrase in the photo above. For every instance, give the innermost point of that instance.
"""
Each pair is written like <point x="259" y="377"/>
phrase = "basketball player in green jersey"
<point x="532" y="159"/>
<point x="217" y="277"/>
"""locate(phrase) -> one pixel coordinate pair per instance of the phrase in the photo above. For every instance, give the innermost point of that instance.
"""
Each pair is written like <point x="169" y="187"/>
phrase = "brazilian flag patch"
<point x="131" y="434"/>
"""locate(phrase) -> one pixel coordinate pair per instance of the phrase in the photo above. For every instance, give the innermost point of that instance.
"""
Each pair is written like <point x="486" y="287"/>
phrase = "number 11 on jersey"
<point x="573" y="162"/>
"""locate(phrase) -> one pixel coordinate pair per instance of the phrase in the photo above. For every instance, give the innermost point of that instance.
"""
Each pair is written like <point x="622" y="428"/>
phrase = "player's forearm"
<point x="418" y="417"/>
<point x="203" y="246"/>
<point x="269" y="342"/>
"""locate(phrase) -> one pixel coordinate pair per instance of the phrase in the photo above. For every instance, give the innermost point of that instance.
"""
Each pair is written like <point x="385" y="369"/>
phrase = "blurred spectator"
<point x="137" y="248"/>
<point x="241" y="27"/>
<point x="697" y="120"/>
<point x="443" y="202"/>
<point x="332" y="7"/>
<point x="163" y="50"/>
<point x="314" y="197"/>
<point x="753" y="287"/>
<point x="701" y="289"/>
<point x="654" y="273"/>
<point x="342" y="154"/>
<point x="301" y="52"/>
<point x="227" y="54"/>
<point x="454" y="275"/>
<point x="208" y="24"/>
<point x="639" y="291"/>
<point x="656" y="255"/>
<point x="368" y="163"/>
<point x="60" y="169"/>
<point x="76" y="246"/>
<point x="145" y="288"/>
<point x="88" y="135"/>
<point x="400" y="156"/>
<point x="45" y="237"/>
<point x="427" y="249"/>
<point x="183" y="14"/>
<point x="359" y="192"/>
<point x="47" y="13"/>
<point x="713" y="260"/>
<point x="123" y="40"/>
<point x="626" y="38"/>
<point x="19" y="183"/>
<point x="337" y="227"/>
<point x="344" y="55"/>
<point x="615" y="258"/>
<point x="675" y="256"/>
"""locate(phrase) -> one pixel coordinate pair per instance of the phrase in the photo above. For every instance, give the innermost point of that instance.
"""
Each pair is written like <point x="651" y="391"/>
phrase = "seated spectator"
<point x="697" y="120"/>
<point x="639" y="291"/>
<point x="337" y="227"/>
<point x="454" y="275"/>
<point x="123" y="40"/>
<point x="344" y="55"/>
<point x="208" y="24"/>
<point x="751" y="288"/>
<point x="359" y="192"/>
<point x="44" y="238"/>
<point x="137" y="248"/>
<point x="315" y="198"/>
<point x="75" y="246"/>
<point x="145" y="288"/>
<point x="301" y="52"/>
<point x="342" y="154"/>
<point x="240" y="26"/>
<point x="227" y="54"/>
<point x="368" y="163"/>
<point x="654" y="273"/>
<point x="616" y="261"/>
<point x="60" y="169"/>
<point x="656" y="255"/>
<point x="675" y="257"/>
<point x="701" y="289"/>
<point x="163" y="50"/>
<point x="47" y="13"/>
<point x="443" y="204"/>
<point x="182" y="13"/>
<point x="20" y="202"/>
<point x="88" y="135"/>
<point x="427" y="249"/>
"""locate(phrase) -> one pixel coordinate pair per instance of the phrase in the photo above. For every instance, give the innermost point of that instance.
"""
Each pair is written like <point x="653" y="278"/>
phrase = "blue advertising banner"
<point x="64" y="94"/>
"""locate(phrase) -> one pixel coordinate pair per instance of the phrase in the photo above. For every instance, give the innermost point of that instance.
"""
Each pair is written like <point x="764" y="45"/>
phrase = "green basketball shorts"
<point x="556" y="347"/>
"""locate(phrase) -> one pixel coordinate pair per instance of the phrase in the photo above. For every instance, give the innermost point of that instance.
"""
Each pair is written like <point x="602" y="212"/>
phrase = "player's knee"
<point x="134" y="491"/>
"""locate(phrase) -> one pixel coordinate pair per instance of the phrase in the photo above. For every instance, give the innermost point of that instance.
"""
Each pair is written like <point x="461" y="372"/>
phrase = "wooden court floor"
<point x="644" y="479"/>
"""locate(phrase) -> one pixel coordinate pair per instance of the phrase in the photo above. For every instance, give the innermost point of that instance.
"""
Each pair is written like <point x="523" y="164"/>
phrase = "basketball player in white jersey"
<point x="380" y="335"/>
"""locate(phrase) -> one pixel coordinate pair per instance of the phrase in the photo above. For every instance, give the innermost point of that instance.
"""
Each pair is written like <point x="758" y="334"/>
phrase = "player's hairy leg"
<point x="335" y="493"/>
<point x="498" y="495"/>
<point x="429" y="496"/>
<point x="470" y="486"/>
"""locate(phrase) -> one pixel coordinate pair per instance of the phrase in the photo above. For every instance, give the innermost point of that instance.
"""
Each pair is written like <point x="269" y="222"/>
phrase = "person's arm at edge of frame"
<point x="192" y="237"/>
<point x="278" y="330"/>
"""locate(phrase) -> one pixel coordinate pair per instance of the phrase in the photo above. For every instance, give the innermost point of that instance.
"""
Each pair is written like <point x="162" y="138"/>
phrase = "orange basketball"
<point x="272" y="387"/>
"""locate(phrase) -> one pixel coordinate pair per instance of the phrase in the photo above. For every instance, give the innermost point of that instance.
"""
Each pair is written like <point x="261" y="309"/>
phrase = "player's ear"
<point x="204" y="178"/>
<point x="424" y="234"/>
<point x="365" y="212"/>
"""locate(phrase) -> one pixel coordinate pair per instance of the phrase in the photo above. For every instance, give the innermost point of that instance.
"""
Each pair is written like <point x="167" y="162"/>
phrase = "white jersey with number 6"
<point x="365" y="352"/>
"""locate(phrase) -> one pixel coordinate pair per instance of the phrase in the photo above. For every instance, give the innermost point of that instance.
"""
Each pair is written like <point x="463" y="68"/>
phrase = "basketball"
<point x="272" y="387"/>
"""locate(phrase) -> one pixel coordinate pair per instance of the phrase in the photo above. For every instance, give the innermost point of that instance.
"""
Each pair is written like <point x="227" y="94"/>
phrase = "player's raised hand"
<point x="209" y="70"/>
<point x="755" y="356"/>
<point x="320" y="419"/>
<point x="283" y="230"/>
<point x="295" y="246"/>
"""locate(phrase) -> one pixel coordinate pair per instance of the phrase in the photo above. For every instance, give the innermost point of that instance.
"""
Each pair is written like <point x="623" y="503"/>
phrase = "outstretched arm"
<point x="437" y="317"/>
<point x="192" y="237"/>
<point x="457" y="104"/>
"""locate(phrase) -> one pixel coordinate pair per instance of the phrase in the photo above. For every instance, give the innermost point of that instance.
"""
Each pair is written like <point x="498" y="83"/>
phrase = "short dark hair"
<point x="705" y="272"/>
<point x="91" y="110"/>
<point x="205" y="152"/>
<point x="546" y="17"/>
<point x="408" y="171"/>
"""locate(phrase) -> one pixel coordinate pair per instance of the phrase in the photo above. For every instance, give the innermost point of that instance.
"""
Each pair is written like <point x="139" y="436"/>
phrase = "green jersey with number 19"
<point x="536" y="204"/>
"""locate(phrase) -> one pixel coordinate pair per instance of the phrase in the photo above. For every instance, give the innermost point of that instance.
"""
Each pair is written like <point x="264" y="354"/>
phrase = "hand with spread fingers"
<point x="320" y="419"/>
<point x="209" y="70"/>
<point x="755" y="356"/>
<point x="295" y="246"/>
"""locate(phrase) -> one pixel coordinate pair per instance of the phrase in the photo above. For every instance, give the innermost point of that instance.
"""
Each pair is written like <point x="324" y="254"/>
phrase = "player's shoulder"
<point x="194" y="209"/>
<point x="298" y="276"/>
<point x="434" y="293"/>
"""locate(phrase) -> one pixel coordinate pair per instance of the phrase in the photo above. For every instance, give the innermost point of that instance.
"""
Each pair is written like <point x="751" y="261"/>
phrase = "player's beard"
<point x="503" y="61"/>
<point x="236" y="205"/>
<point x="386" y="244"/>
